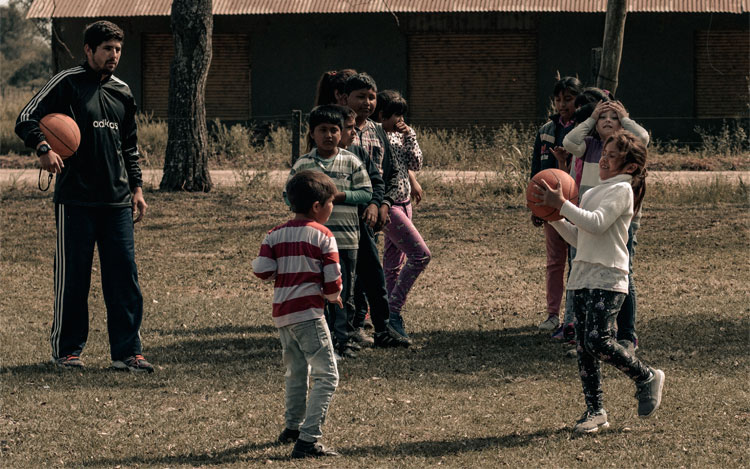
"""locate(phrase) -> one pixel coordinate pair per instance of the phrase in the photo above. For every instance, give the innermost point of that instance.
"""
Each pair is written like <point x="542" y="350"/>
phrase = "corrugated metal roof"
<point x="110" y="8"/>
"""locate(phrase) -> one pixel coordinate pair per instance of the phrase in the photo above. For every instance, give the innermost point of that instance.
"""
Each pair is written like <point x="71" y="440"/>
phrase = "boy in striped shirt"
<point x="353" y="188"/>
<point x="302" y="259"/>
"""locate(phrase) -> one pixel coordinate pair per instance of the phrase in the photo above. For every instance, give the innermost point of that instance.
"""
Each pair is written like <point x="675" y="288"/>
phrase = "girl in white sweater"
<point x="598" y="279"/>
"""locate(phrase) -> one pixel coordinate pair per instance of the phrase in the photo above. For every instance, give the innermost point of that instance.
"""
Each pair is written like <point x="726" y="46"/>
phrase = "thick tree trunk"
<point x="614" y="31"/>
<point x="186" y="161"/>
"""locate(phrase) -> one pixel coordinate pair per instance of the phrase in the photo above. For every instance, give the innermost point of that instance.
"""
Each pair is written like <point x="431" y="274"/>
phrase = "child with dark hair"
<point x="330" y="89"/>
<point x="361" y="96"/>
<point x="371" y="279"/>
<point x="549" y="153"/>
<point x="598" y="281"/>
<point x="354" y="188"/>
<point x="585" y="142"/>
<point x="302" y="259"/>
<point x="403" y="242"/>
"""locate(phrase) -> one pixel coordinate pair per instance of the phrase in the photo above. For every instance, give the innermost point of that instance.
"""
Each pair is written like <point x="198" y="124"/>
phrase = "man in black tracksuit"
<point x="97" y="195"/>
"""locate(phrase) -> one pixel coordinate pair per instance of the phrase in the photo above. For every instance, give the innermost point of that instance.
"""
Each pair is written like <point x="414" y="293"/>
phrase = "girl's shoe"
<point x="648" y="394"/>
<point x="396" y="327"/>
<point x="591" y="421"/>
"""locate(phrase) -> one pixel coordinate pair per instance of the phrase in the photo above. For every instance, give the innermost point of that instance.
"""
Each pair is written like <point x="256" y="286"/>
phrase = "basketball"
<point x="62" y="134"/>
<point x="553" y="177"/>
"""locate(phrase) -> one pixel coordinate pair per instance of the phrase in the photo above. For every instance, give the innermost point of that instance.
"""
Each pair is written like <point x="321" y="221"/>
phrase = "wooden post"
<point x="614" y="30"/>
<point x="596" y="62"/>
<point x="296" y="130"/>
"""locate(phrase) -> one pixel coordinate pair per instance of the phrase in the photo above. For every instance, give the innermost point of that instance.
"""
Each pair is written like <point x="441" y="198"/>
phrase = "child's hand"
<point x="416" y="191"/>
<point x="561" y="155"/>
<point x="338" y="302"/>
<point x="370" y="215"/>
<point x="601" y="106"/>
<point x="384" y="217"/>
<point x="402" y="127"/>
<point x="550" y="197"/>
<point x="619" y="109"/>
<point x="536" y="220"/>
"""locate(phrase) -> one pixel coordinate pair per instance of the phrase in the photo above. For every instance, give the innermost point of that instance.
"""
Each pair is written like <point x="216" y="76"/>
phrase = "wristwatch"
<point x="43" y="148"/>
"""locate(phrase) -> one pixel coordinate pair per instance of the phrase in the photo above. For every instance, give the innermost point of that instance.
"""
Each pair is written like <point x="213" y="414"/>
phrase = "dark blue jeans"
<point x="369" y="286"/>
<point x="340" y="320"/>
<point x="79" y="228"/>
<point x="627" y="315"/>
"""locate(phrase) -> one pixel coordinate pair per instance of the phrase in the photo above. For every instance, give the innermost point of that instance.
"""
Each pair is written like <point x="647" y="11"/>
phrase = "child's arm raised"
<point x="629" y="124"/>
<point x="575" y="141"/>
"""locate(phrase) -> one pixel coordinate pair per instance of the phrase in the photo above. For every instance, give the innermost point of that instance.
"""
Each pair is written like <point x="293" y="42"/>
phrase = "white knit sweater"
<point x="599" y="228"/>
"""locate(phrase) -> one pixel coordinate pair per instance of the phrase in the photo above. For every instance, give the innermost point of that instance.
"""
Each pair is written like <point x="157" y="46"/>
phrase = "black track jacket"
<point x="104" y="170"/>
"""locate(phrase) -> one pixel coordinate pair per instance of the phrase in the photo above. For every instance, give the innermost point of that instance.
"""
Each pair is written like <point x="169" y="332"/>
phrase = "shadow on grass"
<point x="227" y="329"/>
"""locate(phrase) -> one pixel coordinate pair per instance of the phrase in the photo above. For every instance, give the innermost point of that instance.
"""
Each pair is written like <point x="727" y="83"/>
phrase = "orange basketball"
<point x="62" y="134"/>
<point x="553" y="177"/>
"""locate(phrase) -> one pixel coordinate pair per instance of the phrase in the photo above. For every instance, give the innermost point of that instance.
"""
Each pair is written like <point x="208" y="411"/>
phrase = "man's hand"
<point x="139" y="205"/>
<point x="51" y="162"/>
<point x="370" y="215"/>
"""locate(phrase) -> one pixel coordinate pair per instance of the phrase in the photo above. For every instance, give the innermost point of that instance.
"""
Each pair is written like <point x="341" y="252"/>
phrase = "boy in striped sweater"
<point x="301" y="257"/>
<point x="353" y="188"/>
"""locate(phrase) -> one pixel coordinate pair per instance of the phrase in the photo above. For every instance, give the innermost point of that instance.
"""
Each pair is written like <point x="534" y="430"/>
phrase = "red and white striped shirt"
<point x="302" y="257"/>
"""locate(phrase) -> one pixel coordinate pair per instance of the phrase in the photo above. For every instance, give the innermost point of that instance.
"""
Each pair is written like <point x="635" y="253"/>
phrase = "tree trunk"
<point x="614" y="31"/>
<point x="186" y="160"/>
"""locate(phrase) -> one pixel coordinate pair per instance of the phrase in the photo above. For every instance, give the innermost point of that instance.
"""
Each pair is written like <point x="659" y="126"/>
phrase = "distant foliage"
<point x="25" y="51"/>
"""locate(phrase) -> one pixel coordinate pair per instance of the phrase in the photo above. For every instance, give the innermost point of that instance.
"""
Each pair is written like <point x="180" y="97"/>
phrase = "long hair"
<point x="329" y="83"/>
<point x="633" y="151"/>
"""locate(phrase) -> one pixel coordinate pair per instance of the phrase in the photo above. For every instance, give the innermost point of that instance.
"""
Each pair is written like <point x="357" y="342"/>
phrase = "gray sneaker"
<point x="591" y="421"/>
<point x="550" y="324"/>
<point x="648" y="394"/>
<point x="361" y="337"/>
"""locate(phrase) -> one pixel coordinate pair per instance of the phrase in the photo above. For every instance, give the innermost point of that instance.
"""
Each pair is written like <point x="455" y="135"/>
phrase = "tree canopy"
<point x="25" y="51"/>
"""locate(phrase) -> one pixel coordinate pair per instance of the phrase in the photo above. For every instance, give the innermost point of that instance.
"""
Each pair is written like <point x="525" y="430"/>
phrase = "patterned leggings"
<point x="402" y="241"/>
<point x="595" y="318"/>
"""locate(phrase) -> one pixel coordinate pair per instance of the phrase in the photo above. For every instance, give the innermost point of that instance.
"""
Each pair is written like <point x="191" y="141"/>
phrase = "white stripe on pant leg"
<point x="59" y="281"/>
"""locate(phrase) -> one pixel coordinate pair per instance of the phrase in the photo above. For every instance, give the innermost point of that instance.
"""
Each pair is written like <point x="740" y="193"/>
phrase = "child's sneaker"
<point x="304" y="449"/>
<point x="68" y="362"/>
<point x="648" y="394"/>
<point x="135" y="363"/>
<point x="288" y="436"/>
<point x="569" y="332"/>
<point x="559" y="333"/>
<point x="367" y="323"/>
<point x="386" y="339"/>
<point x="361" y="337"/>
<point x="591" y="421"/>
<point x="346" y="351"/>
<point x="396" y="327"/>
<point x="549" y="324"/>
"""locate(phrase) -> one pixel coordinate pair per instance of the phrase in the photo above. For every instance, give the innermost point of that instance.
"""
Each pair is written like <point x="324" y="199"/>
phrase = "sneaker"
<point x="367" y="324"/>
<point x="304" y="449"/>
<point x="135" y="363"/>
<point x="559" y="333"/>
<point x="549" y="324"/>
<point x="353" y="345"/>
<point x="628" y="346"/>
<point x="68" y="362"/>
<point x="361" y="337"/>
<point x="591" y="421"/>
<point x="386" y="339"/>
<point x="569" y="332"/>
<point x="648" y="394"/>
<point x="396" y="327"/>
<point x="288" y="436"/>
<point x="346" y="352"/>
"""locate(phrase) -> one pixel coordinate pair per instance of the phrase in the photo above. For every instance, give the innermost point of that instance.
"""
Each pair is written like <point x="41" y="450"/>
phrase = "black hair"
<point x="390" y="102"/>
<point x="571" y="84"/>
<point x="307" y="187"/>
<point x="346" y="112"/>
<point x="101" y="31"/>
<point x="633" y="151"/>
<point x="360" y="81"/>
<point x="329" y="83"/>
<point x="587" y="100"/>
<point x="325" y="114"/>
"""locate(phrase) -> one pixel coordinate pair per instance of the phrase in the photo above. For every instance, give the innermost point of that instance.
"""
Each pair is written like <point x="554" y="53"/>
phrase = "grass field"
<point x="480" y="388"/>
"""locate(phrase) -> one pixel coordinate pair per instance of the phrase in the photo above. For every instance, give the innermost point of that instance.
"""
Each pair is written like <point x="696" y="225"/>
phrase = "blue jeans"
<point x="341" y="320"/>
<point x="308" y="344"/>
<point x="79" y="228"/>
<point x="627" y="315"/>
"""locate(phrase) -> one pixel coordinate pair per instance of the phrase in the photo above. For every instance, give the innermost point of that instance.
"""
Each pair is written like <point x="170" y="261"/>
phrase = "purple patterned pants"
<point x="402" y="241"/>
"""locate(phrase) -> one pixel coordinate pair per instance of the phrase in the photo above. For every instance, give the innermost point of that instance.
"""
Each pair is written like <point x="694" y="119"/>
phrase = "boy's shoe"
<point x="628" y="345"/>
<point x="367" y="324"/>
<point x="68" y="362"/>
<point x="135" y="363"/>
<point x="288" y="436"/>
<point x="591" y="421"/>
<point x="386" y="339"/>
<point x="361" y="337"/>
<point x="396" y="327"/>
<point x="346" y="352"/>
<point x="304" y="449"/>
<point x="549" y="324"/>
<point x="648" y="393"/>
<point x="353" y="345"/>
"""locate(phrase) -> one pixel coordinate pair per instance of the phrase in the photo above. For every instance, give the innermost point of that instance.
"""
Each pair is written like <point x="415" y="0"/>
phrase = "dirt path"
<point x="222" y="177"/>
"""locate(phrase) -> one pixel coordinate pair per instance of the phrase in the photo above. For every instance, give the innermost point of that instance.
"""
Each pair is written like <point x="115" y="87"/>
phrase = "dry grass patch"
<point x="480" y="388"/>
